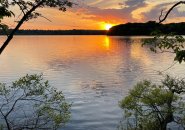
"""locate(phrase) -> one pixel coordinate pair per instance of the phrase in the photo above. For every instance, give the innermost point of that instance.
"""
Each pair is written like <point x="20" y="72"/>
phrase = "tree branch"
<point x="19" y="25"/>
<point x="45" y="18"/>
<point x="168" y="12"/>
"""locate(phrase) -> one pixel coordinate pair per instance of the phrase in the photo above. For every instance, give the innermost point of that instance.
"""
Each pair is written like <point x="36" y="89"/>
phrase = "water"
<point x="94" y="72"/>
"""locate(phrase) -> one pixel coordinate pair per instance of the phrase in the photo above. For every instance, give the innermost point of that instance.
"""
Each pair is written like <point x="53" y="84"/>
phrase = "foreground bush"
<point x="152" y="107"/>
<point x="31" y="103"/>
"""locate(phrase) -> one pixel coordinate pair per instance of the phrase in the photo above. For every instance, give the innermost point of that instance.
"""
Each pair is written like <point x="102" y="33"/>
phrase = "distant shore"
<point x="58" y="32"/>
<point x="128" y="29"/>
<point x="147" y="29"/>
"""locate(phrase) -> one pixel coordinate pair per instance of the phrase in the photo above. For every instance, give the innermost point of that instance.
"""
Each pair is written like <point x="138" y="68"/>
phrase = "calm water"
<point x="94" y="72"/>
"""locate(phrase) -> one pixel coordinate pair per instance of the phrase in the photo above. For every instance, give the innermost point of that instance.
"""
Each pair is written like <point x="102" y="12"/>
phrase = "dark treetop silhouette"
<point x="58" y="32"/>
<point x="132" y="29"/>
<point x="149" y="27"/>
<point x="28" y="10"/>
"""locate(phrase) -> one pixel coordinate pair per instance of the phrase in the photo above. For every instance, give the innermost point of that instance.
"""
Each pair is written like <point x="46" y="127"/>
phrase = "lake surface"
<point x="94" y="72"/>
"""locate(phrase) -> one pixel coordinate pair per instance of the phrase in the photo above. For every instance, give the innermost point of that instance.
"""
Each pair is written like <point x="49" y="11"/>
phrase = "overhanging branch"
<point x="168" y="12"/>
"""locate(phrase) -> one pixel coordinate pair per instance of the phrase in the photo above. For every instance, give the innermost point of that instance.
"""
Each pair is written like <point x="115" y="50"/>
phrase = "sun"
<point x="107" y="26"/>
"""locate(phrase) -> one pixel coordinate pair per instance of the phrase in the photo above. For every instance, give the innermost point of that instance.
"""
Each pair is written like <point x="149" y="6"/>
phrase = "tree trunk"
<point x="169" y="117"/>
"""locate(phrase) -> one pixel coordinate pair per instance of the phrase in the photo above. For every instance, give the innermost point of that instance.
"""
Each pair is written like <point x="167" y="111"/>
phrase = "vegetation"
<point x="167" y="43"/>
<point x="153" y="106"/>
<point x="170" y="41"/>
<point x="3" y="10"/>
<point x="28" y="11"/>
<point x="167" y="37"/>
<point x="130" y="29"/>
<point x="4" y="13"/>
<point x="31" y="103"/>
<point x="59" y="32"/>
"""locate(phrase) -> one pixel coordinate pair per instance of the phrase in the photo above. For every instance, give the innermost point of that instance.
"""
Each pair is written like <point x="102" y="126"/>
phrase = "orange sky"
<point x="96" y="14"/>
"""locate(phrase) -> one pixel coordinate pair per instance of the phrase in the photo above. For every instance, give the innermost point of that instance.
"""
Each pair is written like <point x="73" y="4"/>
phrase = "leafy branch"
<point x="31" y="103"/>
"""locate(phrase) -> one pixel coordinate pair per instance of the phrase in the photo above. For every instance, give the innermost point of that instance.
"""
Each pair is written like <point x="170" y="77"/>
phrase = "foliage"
<point x="26" y="5"/>
<point x="4" y="13"/>
<point x="29" y="11"/>
<point x="31" y="103"/>
<point x="154" y="106"/>
<point x="167" y="43"/>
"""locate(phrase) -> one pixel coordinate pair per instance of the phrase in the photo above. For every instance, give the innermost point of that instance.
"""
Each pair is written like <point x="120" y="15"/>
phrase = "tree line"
<point x="147" y="28"/>
<point x="57" y="32"/>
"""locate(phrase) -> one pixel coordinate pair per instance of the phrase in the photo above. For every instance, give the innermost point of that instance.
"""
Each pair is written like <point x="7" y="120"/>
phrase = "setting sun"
<point x="108" y="26"/>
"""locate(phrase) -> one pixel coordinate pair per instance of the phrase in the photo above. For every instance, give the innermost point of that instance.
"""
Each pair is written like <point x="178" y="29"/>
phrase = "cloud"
<point x="108" y="15"/>
<point x="105" y="4"/>
<point x="90" y="14"/>
<point x="128" y="11"/>
<point x="134" y="3"/>
<point x="117" y="15"/>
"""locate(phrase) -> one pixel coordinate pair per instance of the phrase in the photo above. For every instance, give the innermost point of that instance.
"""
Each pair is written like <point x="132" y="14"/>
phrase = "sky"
<point x="97" y="14"/>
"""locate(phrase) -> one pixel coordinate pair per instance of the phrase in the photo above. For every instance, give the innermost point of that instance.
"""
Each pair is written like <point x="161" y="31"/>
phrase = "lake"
<point x="94" y="72"/>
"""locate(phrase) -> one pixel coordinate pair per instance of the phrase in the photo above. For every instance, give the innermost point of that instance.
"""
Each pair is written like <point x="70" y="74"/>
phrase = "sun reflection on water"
<point x="107" y="43"/>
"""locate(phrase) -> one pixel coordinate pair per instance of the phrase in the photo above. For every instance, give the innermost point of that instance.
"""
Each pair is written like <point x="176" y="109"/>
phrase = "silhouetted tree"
<point x="28" y="9"/>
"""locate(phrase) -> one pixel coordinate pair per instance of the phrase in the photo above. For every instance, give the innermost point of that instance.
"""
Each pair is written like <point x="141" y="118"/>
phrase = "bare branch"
<point x="168" y="12"/>
<point x="45" y="18"/>
<point x="13" y="106"/>
<point x="161" y="15"/>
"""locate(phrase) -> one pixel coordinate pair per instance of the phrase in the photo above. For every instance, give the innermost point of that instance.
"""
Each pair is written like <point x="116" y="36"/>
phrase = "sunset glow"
<point x="108" y="26"/>
<point x="98" y="15"/>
